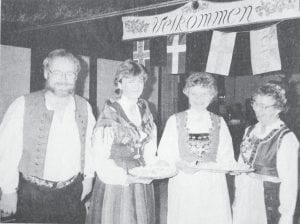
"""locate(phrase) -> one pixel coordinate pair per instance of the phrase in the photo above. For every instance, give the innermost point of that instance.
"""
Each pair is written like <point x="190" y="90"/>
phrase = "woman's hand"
<point x="235" y="173"/>
<point x="187" y="167"/>
<point x="105" y="135"/>
<point x="138" y="180"/>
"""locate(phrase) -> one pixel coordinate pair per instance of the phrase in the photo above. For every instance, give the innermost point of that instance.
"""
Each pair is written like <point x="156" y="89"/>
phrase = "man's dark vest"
<point x="37" y="123"/>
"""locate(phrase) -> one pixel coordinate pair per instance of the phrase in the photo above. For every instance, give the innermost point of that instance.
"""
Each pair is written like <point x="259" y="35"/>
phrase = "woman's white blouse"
<point x="196" y="123"/>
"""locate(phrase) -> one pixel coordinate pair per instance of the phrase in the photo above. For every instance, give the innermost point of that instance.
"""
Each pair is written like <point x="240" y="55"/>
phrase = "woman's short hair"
<point x="275" y="91"/>
<point x="202" y="79"/>
<point x="61" y="53"/>
<point x="128" y="69"/>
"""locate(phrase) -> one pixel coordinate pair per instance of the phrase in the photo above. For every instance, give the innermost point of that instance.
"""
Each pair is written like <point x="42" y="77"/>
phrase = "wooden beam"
<point x="105" y="15"/>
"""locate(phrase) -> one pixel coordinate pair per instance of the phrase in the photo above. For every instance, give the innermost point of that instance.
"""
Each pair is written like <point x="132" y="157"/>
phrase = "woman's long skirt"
<point x="116" y="204"/>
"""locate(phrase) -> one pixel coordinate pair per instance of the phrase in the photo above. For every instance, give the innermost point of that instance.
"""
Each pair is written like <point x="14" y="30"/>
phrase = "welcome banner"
<point x="207" y="15"/>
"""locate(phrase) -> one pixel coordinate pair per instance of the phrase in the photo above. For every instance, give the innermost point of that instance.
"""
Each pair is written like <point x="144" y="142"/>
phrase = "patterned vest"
<point x="185" y="151"/>
<point x="37" y="123"/>
<point x="261" y="154"/>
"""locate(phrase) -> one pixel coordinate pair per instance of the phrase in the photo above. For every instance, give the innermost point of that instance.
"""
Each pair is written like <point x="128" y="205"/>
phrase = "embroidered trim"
<point x="186" y="151"/>
<point x="48" y="183"/>
<point x="196" y="151"/>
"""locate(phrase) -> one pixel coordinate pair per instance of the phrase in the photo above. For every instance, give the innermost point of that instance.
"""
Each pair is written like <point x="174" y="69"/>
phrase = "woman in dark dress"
<point x="124" y="138"/>
<point x="269" y="194"/>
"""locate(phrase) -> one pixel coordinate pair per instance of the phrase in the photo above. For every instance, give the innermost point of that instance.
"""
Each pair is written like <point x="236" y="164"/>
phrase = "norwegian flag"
<point x="141" y="52"/>
<point x="176" y="54"/>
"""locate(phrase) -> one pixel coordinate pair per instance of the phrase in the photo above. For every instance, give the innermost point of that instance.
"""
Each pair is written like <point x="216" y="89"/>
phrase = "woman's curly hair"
<point x="202" y="79"/>
<point x="275" y="91"/>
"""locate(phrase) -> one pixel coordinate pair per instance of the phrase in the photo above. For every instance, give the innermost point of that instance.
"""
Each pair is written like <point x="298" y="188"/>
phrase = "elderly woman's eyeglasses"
<point x="261" y="106"/>
<point x="60" y="74"/>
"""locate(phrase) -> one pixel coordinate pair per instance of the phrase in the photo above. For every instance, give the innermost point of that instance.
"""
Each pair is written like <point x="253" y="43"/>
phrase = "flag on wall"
<point x="141" y="52"/>
<point x="176" y="53"/>
<point x="241" y="59"/>
<point x="197" y="49"/>
<point x="265" y="55"/>
<point x="158" y="52"/>
<point x="220" y="53"/>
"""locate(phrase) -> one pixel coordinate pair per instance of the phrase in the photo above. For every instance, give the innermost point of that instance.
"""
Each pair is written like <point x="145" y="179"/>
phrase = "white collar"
<point x="269" y="128"/>
<point x="196" y="114"/>
<point x="50" y="102"/>
<point x="125" y="102"/>
<point x="272" y="126"/>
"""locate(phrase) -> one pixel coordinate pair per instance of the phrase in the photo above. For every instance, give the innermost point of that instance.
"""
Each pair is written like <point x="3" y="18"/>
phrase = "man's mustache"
<point x="63" y="84"/>
<point x="70" y="88"/>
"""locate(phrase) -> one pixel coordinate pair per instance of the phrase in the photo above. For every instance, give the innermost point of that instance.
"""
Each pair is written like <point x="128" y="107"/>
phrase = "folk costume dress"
<point x="267" y="196"/>
<point x="201" y="197"/>
<point x="113" y="200"/>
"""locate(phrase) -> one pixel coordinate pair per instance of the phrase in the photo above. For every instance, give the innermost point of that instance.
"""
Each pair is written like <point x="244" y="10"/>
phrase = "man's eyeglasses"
<point x="60" y="74"/>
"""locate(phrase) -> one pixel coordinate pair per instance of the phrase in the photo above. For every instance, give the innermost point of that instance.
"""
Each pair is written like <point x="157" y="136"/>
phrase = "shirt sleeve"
<point x="150" y="149"/>
<point x="89" y="168"/>
<point x="168" y="146"/>
<point x="11" y="145"/>
<point x="225" y="150"/>
<point x="287" y="166"/>
<point x="106" y="168"/>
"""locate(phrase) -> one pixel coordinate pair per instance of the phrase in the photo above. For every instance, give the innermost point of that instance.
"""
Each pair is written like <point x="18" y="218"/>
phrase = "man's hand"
<point x="8" y="203"/>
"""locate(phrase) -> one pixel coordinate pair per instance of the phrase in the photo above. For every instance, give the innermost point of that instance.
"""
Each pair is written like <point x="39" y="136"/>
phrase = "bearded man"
<point x="45" y="148"/>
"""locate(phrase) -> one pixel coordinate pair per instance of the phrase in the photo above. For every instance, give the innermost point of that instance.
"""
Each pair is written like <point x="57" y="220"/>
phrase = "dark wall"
<point x="96" y="39"/>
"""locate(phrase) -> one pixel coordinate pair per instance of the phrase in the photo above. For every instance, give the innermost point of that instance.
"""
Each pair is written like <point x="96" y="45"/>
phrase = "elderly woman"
<point x="191" y="138"/>
<point x="124" y="138"/>
<point x="269" y="194"/>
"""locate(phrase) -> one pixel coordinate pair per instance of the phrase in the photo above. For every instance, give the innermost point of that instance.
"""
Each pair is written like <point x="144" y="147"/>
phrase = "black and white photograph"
<point x="150" y="111"/>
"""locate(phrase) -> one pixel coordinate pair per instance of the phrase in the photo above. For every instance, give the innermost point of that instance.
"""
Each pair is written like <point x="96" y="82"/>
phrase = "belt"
<point x="48" y="183"/>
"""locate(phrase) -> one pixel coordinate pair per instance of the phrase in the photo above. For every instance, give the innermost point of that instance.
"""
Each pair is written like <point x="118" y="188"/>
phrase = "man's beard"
<point x="60" y="92"/>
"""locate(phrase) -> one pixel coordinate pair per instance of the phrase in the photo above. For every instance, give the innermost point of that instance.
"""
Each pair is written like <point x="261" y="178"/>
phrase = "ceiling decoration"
<point x="40" y="13"/>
